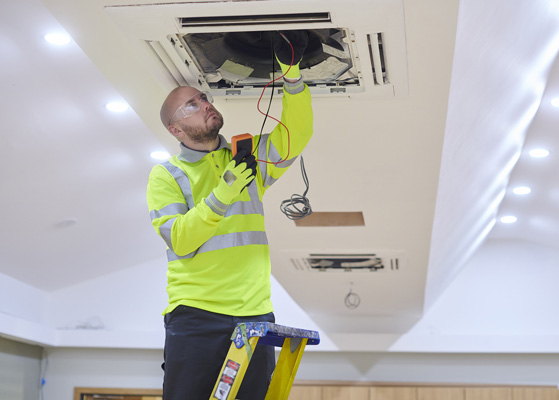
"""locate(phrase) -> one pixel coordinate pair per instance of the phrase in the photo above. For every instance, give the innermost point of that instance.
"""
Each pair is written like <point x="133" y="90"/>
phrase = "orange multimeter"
<point x="241" y="142"/>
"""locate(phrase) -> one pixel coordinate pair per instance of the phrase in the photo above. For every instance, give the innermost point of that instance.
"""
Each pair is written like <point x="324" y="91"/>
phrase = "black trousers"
<point x="196" y="343"/>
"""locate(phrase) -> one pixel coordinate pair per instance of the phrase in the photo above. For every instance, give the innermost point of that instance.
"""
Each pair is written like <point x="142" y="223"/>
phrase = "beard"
<point x="204" y="134"/>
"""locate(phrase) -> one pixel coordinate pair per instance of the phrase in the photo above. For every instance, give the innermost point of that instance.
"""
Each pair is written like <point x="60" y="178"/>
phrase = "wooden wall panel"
<point x="345" y="393"/>
<point x="535" y="393"/>
<point x="360" y="391"/>
<point x="306" y="393"/>
<point x="440" y="393"/>
<point x="488" y="393"/>
<point x="392" y="393"/>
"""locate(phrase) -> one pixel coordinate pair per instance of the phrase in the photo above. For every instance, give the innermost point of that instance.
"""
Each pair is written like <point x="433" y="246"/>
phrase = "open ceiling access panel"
<point x="225" y="47"/>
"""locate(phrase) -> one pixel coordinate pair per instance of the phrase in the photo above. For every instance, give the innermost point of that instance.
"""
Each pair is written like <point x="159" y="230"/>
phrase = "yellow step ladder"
<point x="246" y="337"/>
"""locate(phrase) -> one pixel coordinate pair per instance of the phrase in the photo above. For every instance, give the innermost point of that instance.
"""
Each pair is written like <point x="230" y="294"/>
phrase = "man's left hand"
<point x="298" y="39"/>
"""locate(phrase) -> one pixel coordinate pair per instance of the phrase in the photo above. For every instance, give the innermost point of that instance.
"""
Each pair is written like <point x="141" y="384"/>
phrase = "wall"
<point x="123" y="309"/>
<point x="495" y="369"/>
<point x="69" y="368"/>
<point x="507" y="291"/>
<point x="22" y="300"/>
<point x="20" y="369"/>
<point x="117" y="368"/>
<point x="507" y="287"/>
<point x="128" y="299"/>
<point x="503" y="301"/>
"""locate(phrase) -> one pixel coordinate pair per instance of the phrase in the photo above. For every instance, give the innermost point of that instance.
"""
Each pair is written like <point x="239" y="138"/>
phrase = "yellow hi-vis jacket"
<point x="218" y="257"/>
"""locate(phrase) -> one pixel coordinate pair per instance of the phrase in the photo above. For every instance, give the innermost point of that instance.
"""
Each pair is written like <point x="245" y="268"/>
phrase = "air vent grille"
<point x="363" y="263"/>
<point x="233" y="20"/>
<point x="378" y="62"/>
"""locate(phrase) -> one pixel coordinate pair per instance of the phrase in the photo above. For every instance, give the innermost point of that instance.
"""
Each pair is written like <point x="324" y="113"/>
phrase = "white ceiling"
<point x="431" y="171"/>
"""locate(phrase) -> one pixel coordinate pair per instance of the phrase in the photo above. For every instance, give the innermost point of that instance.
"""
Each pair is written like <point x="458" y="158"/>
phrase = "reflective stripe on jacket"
<point x="218" y="255"/>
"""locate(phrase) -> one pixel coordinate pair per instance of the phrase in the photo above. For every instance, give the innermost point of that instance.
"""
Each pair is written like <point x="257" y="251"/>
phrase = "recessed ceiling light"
<point x="521" y="190"/>
<point x="555" y="102"/>
<point x="160" y="155"/>
<point x="117" y="106"/>
<point x="58" y="39"/>
<point x="509" y="219"/>
<point x="539" y="153"/>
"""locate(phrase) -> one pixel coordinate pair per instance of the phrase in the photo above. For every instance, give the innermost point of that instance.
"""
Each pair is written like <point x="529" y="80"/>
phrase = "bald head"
<point x="174" y="100"/>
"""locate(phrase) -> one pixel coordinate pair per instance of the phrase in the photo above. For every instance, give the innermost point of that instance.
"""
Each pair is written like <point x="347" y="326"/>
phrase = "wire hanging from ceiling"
<point x="352" y="300"/>
<point x="298" y="206"/>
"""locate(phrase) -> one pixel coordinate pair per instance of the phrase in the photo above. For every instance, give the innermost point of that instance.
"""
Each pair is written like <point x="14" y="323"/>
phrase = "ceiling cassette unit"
<point x="358" y="262"/>
<point x="226" y="48"/>
<point x="236" y="63"/>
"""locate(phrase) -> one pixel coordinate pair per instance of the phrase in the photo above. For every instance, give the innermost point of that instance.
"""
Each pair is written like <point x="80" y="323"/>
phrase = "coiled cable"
<point x="352" y="300"/>
<point x="298" y="206"/>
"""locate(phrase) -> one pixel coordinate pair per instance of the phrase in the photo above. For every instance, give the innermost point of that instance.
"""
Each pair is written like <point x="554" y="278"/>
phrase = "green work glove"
<point x="237" y="175"/>
<point x="287" y="54"/>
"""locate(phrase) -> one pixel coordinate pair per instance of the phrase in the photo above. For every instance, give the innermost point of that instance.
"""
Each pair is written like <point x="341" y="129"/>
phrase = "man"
<point x="208" y="209"/>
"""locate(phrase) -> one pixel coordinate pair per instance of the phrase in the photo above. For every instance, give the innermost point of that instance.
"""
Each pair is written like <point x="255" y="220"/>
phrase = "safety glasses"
<point x="191" y="106"/>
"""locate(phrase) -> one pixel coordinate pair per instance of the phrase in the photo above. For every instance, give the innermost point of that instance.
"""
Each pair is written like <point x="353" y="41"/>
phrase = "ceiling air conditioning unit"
<point x="225" y="48"/>
<point x="356" y="262"/>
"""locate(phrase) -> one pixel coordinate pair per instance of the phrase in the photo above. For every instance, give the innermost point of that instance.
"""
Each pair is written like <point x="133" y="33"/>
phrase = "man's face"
<point x="204" y="124"/>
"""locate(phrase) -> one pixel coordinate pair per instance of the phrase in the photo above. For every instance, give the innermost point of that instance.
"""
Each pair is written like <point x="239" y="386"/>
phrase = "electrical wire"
<point x="44" y="365"/>
<point x="298" y="206"/>
<point x="352" y="300"/>
<point x="269" y="103"/>
<point x="266" y="115"/>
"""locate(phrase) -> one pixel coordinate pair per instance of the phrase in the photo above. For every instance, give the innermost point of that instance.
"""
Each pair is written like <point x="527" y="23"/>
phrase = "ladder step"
<point x="271" y="334"/>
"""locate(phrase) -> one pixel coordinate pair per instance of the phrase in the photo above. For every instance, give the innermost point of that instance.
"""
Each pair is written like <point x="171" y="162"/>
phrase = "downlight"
<point x="117" y="106"/>
<point x="522" y="190"/>
<point x="160" y="155"/>
<point x="509" y="219"/>
<point x="539" y="153"/>
<point x="58" y="39"/>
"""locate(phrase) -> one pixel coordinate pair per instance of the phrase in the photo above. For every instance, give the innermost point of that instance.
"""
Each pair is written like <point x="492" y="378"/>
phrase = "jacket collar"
<point x="192" y="156"/>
